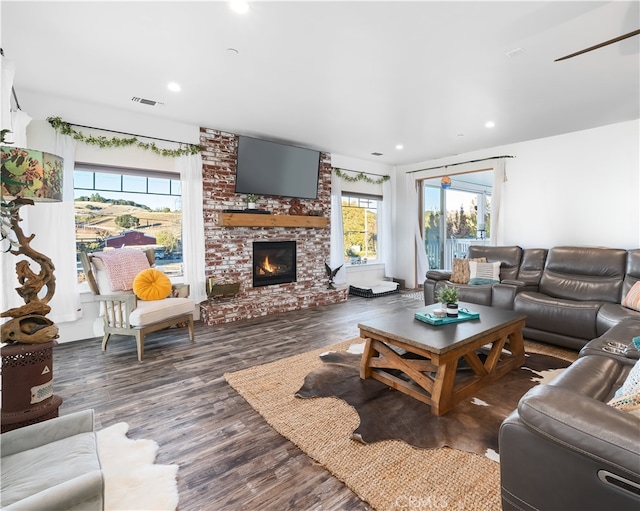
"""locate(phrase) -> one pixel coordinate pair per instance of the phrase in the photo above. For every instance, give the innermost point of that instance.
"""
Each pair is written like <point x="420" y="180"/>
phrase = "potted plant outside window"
<point x="448" y="297"/>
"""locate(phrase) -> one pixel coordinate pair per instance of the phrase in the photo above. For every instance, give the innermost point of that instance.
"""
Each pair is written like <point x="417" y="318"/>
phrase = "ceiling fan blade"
<point x="591" y="48"/>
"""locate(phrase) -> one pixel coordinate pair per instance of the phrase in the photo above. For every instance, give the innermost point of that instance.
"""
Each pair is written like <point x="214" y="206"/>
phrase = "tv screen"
<point x="270" y="168"/>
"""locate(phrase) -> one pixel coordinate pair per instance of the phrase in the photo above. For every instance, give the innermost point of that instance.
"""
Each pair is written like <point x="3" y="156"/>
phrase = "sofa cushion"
<point x="632" y="298"/>
<point x="147" y="312"/>
<point x="151" y="284"/>
<point x="576" y="319"/>
<point x="479" y="281"/>
<point x="116" y="269"/>
<point x="509" y="258"/>
<point x="627" y="397"/>
<point x="460" y="271"/>
<point x="584" y="273"/>
<point x="489" y="271"/>
<point x="610" y="314"/>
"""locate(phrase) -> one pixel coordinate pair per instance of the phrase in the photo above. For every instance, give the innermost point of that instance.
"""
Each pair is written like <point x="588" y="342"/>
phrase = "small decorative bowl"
<point x="439" y="313"/>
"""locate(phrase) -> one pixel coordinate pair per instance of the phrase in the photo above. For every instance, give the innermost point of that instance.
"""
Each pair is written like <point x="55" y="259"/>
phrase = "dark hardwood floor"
<point x="229" y="458"/>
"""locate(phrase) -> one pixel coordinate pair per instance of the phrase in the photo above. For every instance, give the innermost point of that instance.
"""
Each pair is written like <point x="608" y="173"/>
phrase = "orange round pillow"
<point x="151" y="284"/>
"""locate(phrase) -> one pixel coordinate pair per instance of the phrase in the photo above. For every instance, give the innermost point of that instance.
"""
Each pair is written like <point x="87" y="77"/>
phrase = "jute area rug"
<point x="390" y="474"/>
<point x="132" y="480"/>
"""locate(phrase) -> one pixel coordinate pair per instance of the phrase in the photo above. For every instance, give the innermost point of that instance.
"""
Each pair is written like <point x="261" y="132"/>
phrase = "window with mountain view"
<point x="118" y="207"/>
<point x="360" y="225"/>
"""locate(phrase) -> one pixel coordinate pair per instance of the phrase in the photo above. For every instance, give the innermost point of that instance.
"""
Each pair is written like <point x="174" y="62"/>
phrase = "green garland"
<point x="65" y="128"/>
<point x="361" y="176"/>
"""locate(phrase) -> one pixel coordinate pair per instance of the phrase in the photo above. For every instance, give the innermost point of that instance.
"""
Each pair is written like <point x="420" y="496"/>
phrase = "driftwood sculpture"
<point x="29" y="324"/>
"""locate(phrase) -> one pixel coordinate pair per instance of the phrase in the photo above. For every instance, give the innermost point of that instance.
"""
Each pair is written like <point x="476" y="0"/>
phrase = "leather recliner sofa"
<point x="565" y="448"/>
<point x="569" y="294"/>
<point x="509" y="258"/>
<point x="577" y="283"/>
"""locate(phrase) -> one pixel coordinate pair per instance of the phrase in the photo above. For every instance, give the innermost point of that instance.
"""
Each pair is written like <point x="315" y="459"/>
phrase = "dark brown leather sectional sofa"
<point x="564" y="448"/>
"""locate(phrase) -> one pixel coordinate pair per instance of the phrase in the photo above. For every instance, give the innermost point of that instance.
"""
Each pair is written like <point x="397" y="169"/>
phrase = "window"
<point x="360" y="225"/>
<point x="117" y="207"/>
<point x="466" y="208"/>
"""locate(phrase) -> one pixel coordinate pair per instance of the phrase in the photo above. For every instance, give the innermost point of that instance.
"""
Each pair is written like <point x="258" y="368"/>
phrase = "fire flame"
<point x="267" y="266"/>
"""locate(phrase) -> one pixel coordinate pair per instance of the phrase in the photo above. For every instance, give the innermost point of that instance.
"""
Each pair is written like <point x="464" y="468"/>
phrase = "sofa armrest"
<point x="438" y="275"/>
<point x="41" y="433"/>
<point x="84" y="492"/>
<point x="504" y="293"/>
<point x="585" y="425"/>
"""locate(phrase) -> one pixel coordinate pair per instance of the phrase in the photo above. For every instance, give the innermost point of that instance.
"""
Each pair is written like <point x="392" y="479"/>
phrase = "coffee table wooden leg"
<point x="367" y="354"/>
<point x="441" y="398"/>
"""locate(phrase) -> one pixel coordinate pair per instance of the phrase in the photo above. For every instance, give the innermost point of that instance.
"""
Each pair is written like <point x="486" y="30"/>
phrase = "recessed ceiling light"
<point x="239" y="6"/>
<point x="173" y="86"/>
<point x="399" y="147"/>
<point x="489" y="124"/>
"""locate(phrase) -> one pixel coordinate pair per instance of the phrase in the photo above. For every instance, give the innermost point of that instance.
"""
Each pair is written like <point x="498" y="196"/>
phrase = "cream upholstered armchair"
<point x="135" y="298"/>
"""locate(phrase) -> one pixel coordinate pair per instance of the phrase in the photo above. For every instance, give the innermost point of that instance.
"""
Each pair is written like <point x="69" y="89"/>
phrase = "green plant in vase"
<point x="251" y="201"/>
<point x="448" y="297"/>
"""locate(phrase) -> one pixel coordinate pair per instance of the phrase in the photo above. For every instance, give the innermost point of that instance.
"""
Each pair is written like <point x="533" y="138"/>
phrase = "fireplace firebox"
<point x="274" y="262"/>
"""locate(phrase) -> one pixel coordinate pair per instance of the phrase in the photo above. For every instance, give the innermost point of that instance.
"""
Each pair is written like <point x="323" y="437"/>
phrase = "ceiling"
<point x="351" y="78"/>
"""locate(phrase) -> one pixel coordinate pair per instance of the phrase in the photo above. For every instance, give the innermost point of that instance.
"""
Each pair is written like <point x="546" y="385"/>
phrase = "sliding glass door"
<point x="455" y="216"/>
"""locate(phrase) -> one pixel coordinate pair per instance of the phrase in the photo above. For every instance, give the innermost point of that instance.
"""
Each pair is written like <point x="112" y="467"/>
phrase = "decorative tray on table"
<point x="432" y="319"/>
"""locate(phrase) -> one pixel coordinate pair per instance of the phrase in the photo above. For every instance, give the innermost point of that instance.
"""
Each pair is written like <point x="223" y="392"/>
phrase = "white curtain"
<point x="56" y="225"/>
<point x="497" y="222"/>
<point x="193" y="250"/>
<point x="385" y="241"/>
<point x="336" y="257"/>
<point x="413" y="191"/>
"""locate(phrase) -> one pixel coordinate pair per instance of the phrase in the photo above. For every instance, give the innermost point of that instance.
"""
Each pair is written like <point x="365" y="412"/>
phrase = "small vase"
<point x="452" y="310"/>
<point x="251" y="205"/>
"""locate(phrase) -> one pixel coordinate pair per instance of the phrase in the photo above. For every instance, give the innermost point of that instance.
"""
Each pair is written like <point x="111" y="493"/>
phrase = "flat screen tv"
<point x="270" y="168"/>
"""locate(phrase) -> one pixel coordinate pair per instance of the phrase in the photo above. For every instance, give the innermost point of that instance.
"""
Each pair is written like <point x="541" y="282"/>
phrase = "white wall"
<point x="139" y="121"/>
<point x="581" y="188"/>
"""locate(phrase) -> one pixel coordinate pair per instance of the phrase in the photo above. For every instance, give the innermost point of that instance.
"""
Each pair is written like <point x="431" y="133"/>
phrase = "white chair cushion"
<point x="146" y="313"/>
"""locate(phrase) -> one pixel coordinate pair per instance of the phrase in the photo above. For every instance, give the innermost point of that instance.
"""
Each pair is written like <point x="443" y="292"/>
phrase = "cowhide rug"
<point x="387" y="414"/>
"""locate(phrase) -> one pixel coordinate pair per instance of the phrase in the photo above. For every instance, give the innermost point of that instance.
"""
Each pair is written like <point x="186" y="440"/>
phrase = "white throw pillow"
<point x="485" y="270"/>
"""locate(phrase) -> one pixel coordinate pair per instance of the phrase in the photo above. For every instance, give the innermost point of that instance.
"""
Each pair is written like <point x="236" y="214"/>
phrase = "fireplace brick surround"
<point x="229" y="250"/>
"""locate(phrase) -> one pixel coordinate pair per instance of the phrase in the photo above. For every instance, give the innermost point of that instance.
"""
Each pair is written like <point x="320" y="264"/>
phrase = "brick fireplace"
<point x="229" y="250"/>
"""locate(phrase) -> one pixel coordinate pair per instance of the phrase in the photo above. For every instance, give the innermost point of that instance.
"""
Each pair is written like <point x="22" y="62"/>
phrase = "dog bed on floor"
<point x="374" y="289"/>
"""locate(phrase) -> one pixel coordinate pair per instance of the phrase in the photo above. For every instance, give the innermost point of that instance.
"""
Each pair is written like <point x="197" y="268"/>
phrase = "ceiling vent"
<point x="515" y="53"/>
<point x="376" y="154"/>
<point x="149" y="102"/>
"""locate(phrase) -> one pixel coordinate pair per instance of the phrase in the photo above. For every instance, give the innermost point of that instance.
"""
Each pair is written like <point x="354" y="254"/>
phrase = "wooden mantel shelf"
<point x="249" y="220"/>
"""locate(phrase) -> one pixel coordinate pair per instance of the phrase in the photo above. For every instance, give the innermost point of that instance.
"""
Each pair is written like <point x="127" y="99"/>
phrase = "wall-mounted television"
<point x="271" y="168"/>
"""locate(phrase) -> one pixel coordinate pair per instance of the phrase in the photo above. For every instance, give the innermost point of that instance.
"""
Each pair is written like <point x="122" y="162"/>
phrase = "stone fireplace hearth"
<point x="229" y="249"/>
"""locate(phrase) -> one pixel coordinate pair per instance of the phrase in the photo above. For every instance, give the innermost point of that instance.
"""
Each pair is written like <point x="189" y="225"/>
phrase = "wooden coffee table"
<point x="428" y="356"/>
